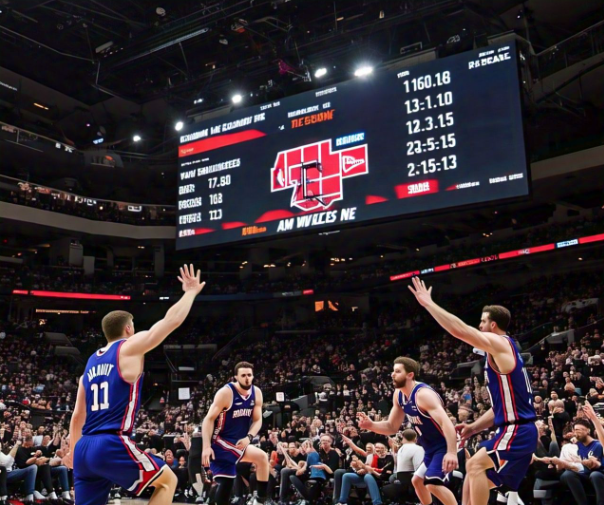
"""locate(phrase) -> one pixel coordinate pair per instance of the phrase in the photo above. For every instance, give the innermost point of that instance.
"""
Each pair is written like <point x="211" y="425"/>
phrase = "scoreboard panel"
<point x="435" y="136"/>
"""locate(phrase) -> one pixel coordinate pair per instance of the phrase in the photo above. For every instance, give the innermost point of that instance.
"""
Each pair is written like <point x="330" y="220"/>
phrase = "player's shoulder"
<point x="227" y="389"/>
<point x="425" y="391"/>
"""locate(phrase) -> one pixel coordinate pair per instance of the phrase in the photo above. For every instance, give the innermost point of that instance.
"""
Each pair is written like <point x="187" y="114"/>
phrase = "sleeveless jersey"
<point x="111" y="402"/>
<point x="511" y="394"/>
<point x="234" y="423"/>
<point x="429" y="433"/>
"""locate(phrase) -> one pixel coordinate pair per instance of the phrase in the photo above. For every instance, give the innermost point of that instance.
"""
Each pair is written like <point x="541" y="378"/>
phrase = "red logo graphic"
<point x="315" y="173"/>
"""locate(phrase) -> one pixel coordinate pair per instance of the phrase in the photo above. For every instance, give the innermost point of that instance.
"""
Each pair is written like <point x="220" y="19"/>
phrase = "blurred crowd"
<point x="339" y="276"/>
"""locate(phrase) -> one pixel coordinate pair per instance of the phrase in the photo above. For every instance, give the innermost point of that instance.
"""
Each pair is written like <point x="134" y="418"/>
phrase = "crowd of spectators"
<point x="40" y="197"/>
<point x="140" y="282"/>
<point x="354" y="355"/>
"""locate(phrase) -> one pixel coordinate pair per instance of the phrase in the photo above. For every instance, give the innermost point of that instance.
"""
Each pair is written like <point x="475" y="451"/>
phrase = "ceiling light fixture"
<point x="363" y="71"/>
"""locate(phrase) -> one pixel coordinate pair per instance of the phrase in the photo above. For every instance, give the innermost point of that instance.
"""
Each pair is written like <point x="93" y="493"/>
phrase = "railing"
<point x="579" y="47"/>
<point x="21" y="192"/>
<point x="27" y="138"/>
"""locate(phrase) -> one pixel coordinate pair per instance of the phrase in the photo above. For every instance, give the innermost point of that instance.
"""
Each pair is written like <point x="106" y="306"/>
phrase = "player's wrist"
<point x="250" y="437"/>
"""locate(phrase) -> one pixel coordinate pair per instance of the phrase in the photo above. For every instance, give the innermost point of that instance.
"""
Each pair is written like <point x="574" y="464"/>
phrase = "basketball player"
<point x="504" y="460"/>
<point x="101" y="450"/>
<point x="423" y="407"/>
<point x="232" y="422"/>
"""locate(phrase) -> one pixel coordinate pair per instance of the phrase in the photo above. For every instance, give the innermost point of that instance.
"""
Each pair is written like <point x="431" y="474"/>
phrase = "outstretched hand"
<point x="590" y="412"/>
<point x="190" y="280"/>
<point x="422" y="294"/>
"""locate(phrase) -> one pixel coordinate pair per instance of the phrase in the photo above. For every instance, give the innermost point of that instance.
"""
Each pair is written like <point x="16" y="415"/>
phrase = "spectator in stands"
<point x="291" y="464"/>
<point x="409" y="458"/>
<point x="27" y="455"/>
<point x="39" y="436"/>
<point x="11" y="475"/>
<point x="577" y="475"/>
<point x="379" y="471"/>
<point x="320" y="465"/>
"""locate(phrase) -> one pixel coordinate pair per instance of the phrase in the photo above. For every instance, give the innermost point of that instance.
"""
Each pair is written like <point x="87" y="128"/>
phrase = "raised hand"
<point x="190" y="280"/>
<point x="590" y="412"/>
<point x="422" y="294"/>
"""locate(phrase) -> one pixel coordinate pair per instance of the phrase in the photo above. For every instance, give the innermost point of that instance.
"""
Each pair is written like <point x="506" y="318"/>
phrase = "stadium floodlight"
<point x="320" y="72"/>
<point x="363" y="71"/>
<point x="237" y="98"/>
<point x="179" y="126"/>
<point x="137" y="138"/>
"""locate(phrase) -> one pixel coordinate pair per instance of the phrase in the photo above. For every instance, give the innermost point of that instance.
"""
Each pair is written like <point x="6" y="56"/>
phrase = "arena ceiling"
<point x="183" y="50"/>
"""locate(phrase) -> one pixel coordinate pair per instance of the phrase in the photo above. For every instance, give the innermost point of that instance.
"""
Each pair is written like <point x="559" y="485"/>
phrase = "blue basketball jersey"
<point x="429" y="433"/>
<point x="511" y="394"/>
<point x="234" y="423"/>
<point x="111" y="402"/>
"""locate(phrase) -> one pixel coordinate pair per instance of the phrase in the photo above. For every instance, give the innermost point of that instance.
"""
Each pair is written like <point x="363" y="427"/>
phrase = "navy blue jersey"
<point x="511" y="394"/>
<point x="111" y="402"/>
<point x="594" y="448"/>
<point x="234" y="423"/>
<point x="429" y="433"/>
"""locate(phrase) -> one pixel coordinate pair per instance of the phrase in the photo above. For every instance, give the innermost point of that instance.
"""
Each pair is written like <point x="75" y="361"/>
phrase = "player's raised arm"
<point x="428" y="401"/>
<point x="388" y="427"/>
<point x="144" y="341"/>
<point x="78" y="418"/>
<point x="221" y="402"/>
<point x="488" y="342"/>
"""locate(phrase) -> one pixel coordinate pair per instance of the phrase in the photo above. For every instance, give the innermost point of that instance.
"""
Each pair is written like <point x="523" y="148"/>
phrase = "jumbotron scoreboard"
<point x="438" y="135"/>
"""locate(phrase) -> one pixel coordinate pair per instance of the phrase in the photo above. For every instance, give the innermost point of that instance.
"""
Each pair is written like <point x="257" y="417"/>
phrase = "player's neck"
<point x="408" y="389"/>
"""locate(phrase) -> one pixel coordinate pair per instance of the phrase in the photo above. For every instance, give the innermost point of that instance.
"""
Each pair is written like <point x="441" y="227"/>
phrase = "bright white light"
<point x="179" y="126"/>
<point x="320" y="72"/>
<point x="237" y="98"/>
<point x="363" y="71"/>
<point x="137" y="138"/>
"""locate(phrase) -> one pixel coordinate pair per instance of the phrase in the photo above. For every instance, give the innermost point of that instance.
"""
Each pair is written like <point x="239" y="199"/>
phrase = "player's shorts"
<point x="226" y="457"/>
<point x="511" y="450"/>
<point x="102" y="460"/>
<point x="431" y="470"/>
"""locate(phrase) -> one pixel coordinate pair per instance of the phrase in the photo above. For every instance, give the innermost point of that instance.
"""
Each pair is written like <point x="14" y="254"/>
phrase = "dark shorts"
<point x="511" y="450"/>
<point x="431" y="470"/>
<point x="226" y="457"/>
<point x="100" y="461"/>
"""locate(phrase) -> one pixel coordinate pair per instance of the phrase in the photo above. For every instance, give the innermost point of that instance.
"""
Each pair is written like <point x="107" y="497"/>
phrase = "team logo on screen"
<point x="314" y="173"/>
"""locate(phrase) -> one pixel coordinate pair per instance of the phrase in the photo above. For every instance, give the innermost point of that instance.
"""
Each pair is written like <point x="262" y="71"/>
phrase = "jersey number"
<point x="104" y="386"/>
<point x="529" y="389"/>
